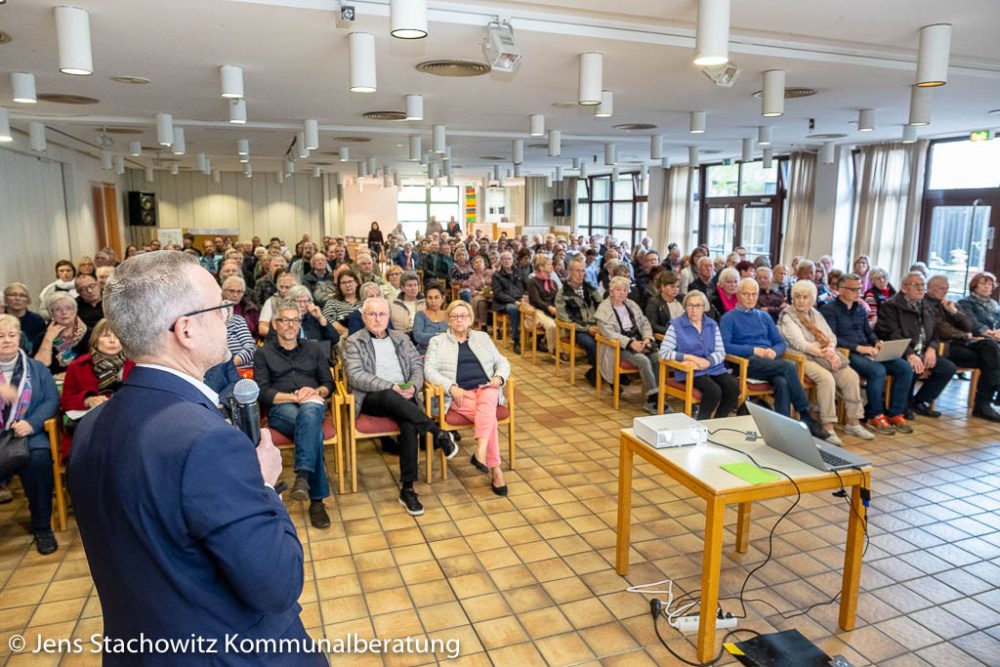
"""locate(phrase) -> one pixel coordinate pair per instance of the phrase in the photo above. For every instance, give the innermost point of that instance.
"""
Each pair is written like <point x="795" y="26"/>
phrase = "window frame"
<point x="613" y="228"/>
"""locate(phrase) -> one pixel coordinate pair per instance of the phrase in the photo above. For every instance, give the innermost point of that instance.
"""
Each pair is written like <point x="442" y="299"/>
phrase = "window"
<point x="742" y="207"/>
<point x="617" y="208"/>
<point x="416" y="204"/>
<point x="964" y="165"/>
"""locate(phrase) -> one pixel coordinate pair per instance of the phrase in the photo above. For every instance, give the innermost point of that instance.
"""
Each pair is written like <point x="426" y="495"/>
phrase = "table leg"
<point x="743" y="528"/>
<point x="710" y="567"/>
<point x="624" y="507"/>
<point x="852" y="561"/>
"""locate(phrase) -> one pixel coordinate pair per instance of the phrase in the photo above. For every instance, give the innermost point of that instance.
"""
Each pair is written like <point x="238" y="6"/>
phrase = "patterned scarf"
<point x="986" y="302"/>
<point x="22" y="378"/>
<point x="64" y="345"/>
<point x="810" y="326"/>
<point x="108" y="368"/>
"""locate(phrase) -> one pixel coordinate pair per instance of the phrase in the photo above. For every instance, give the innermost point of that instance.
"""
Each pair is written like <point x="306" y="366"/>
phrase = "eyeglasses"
<point x="287" y="320"/>
<point x="749" y="293"/>
<point x="83" y="288"/>
<point x="17" y="295"/>
<point x="382" y="314"/>
<point x="226" y="308"/>
<point x="851" y="288"/>
<point x="458" y="316"/>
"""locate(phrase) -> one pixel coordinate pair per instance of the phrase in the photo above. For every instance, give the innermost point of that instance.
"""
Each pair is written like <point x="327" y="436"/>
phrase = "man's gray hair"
<point x="372" y="301"/>
<point x="234" y="280"/>
<point x="577" y="259"/>
<point x="298" y="292"/>
<point x="408" y="276"/>
<point x="146" y="295"/>
<point x="938" y="278"/>
<point x="852" y="276"/>
<point x="288" y="303"/>
<point x="748" y="282"/>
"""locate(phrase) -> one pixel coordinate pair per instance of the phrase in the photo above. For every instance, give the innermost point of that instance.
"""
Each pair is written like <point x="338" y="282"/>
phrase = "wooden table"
<point x="697" y="468"/>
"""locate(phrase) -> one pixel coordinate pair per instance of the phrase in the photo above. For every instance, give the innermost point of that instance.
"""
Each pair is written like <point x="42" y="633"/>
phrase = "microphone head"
<point x="246" y="391"/>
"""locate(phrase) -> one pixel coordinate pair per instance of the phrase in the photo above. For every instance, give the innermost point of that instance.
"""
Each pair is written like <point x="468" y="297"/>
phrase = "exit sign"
<point x="981" y="135"/>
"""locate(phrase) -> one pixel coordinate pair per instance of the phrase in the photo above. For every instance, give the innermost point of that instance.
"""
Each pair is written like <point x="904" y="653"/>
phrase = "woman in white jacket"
<point x="471" y="369"/>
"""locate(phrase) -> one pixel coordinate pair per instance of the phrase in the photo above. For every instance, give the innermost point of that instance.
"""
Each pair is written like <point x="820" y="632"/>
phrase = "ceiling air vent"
<point x="349" y="140"/>
<point x="63" y="98"/>
<point x="453" y="68"/>
<point x="385" y="115"/>
<point x="121" y="130"/>
<point x="826" y="137"/>
<point x="632" y="127"/>
<point x="792" y="93"/>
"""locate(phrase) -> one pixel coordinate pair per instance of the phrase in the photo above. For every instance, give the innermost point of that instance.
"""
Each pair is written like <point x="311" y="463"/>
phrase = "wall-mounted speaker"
<point x="560" y="208"/>
<point x="142" y="209"/>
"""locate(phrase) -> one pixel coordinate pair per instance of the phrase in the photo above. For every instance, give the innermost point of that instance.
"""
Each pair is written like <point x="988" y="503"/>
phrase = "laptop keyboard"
<point x="833" y="459"/>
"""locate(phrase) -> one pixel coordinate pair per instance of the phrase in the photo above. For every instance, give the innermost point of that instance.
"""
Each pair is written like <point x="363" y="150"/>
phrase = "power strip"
<point x="689" y="624"/>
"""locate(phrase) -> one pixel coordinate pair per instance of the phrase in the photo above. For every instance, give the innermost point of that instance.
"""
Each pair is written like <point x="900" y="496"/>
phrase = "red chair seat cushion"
<point x="760" y="388"/>
<point x="279" y="439"/>
<point x="453" y="418"/>
<point x="369" y="424"/>
<point x="629" y="366"/>
<point x="680" y="386"/>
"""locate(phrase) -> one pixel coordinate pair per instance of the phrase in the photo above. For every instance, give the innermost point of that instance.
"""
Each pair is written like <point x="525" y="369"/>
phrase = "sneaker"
<point x="899" y="423"/>
<point x="408" y="499"/>
<point x="300" y="489"/>
<point x="818" y="431"/>
<point x="318" y="516"/>
<point x="833" y="439"/>
<point x="926" y="410"/>
<point x="446" y="441"/>
<point x="858" y="431"/>
<point x="45" y="542"/>
<point x="650" y="406"/>
<point x="5" y="494"/>
<point x="880" y="424"/>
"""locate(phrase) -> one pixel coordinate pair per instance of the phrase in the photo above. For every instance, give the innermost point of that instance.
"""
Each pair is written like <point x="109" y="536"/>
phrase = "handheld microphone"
<point x="246" y="414"/>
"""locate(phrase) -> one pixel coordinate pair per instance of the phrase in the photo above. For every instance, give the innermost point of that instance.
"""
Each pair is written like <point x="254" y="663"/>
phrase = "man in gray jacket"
<point x="384" y="371"/>
<point x="576" y="302"/>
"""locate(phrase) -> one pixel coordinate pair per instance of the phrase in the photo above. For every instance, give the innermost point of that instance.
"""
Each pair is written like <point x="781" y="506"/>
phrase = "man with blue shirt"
<point x="751" y="333"/>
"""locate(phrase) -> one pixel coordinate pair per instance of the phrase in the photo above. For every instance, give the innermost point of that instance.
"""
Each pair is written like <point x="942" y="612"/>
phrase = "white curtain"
<point x="670" y="213"/>
<point x="801" y="197"/>
<point x="887" y="204"/>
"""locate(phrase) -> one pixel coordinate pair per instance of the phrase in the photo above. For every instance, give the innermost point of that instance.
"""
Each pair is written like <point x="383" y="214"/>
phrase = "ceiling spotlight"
<point x="201" y="162"/>
<point x="764" y="135"/>
<point x="536" y="124"/>
<point x="165" y="129"/>
<point x="920" y="105"/>
<point x="697" y="123"/>
<point x="135" y="148"/>
<point x="247" y="170"/>
<point x="232" y="81"/>
<point x="439" y="139"/>
<point x="414" y="107"/>
<point x="408" y="19"/>
<point x="73" y="35"/>
<point x="607" y="105"/>
<point x="518" y="151"/>
<point x="301" y="150"/>
<point x="772" y="101"/>
<point x="767" y="157"/>
<point x="107" y="163"/>
<point x="415" y="147"/>
<point x="311" y="135"/>
<point x="909" y="134"/>
<point x="238" y="112"/>
<point x="932" y="58"/>
<point x="345" y="153"/>
<point x="866" y="120"/>
<point x="120" y="165"/>
<point x="693" y="160"/>
<point x="5" y="135"/>
<point x="826" y="152"/>
<point x="712" y="41"/>
<point x="242" y="147"/>
<point x="174" y="169"/>
<point x="555" y="143"/>
<point x="216" y="176"/>
<point x="583" y="170"/>
<point x="610" y="154"/>
<point x="747" y="149"/>
<point x="656" y="147"/>
<point x="150" y="176"/>
<point x="179" y="147"/>
<point x="591" y="78"/>
<point x="362" y="56"/>
<point x="23" y="85"/>
<point x="36" y="136"/>
<point x="499" y="48"/>
<point x="665" y="162"/>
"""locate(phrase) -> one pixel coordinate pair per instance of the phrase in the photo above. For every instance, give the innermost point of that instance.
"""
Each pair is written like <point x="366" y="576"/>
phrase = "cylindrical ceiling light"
<point x="231" y="78"/>
<point x="440" y="139"/>
<point x="607" y="106"/>
<point x="548" y="180"/>
<point x="920" y="105"/>
<point x="932" y="59"/>
<point x="23" y="85"/>
<point x="317" y="172"/>
<point x="517" y="151"/>
<point x="345" y="153"/>
<point x="208" y="166"/>
<point x="107" y="163"/>
<point x="150" y="176"/>
<point x="301" y="150"/>
<point x="772" y="100"/>
<point x="216" y="176"/>
<point x="242" y="147"/>
<point x="576" y="163"/>
<point x="362" y="55"/>
<point x="370" y="166"/>
<point x="610" y="154"/>
<point x="36" y="137"/>
<point x="698" y="122"/>
<point x="201" y="162"/>
<point x="174" y="169"/>
<point x="5" y="135"/>
<point x="238" y="112"/>
<point x="415" y="147"/>
<point x="693" y="156"/>
<point x="555" y="143"/>
<point x="279" y="177"/>
<point x="665" y="162"/>
<point x="135" y="148"/>
<point x="583" y="170"/>
<point x="119" y="165"/>
<point x="73" y="34"/>
<point x="447" y="153"/>
<point x="248" y="170"/>
<point x="179" y="147"/>
<point x="414" y="107"/>
<point x="289" y="166"/>
<point x="396" y="180"/>
<point x="826" y="152"/>
<point x="425" y="157"/>
<point x="764" y="135"/>
<point x="361" y="168"/>
<point x="591" y="78"/>
<point x="408" y="19"/>
<point x="747" y="149"/>
<point x="517" y="171"/>
<point x="311" y="134"/>
<point x="164" y="129"/>
<point x="712" y="41"/>
<point x="615" y="174"/>
<point x="866" y="120"/>
<point x="767" y="157"/>
<point x="909" y="134"/>
<point x="656" y="147"/>
<point x="496" y="172"/>
<point x="536" y="125"/>
<point x="387" y="180"/>
<point x="559" y="175"/>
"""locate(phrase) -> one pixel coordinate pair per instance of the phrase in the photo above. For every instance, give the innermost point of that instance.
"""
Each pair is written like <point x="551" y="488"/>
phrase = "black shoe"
<point x="926" y="410"/>
<point x="517" y="347"/>
<point x="909" y="415"/>
<point x="986" y="412"/>
<point x="499" y="490"/>
<point x="457" y="436"/>
<point x="446" y="441"/>
<point x="480" y="466"/>
<point x="45" y="542"/>
<point x="318" y="516"/>
<point x="591" y="377"/>
<point x="300" y="489"/>
<point x="408" y="499"/>
<point x="818" y="431"/>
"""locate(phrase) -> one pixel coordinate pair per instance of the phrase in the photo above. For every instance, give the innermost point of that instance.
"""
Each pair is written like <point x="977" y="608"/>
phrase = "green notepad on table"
<point x="748" y="472"/>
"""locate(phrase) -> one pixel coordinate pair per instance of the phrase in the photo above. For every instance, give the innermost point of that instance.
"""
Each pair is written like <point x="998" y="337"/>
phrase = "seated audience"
<point x="86" y="266"/>
<point x="460" y="271"/>
<point x="910" y="315"/>
<point x="704" y="280"/>
<point x="344" y="300"/>
<point x="542" y="289"/>
<point x="479" y="290"/>
<point x="690" y="271"/>
<point x="779" y="278"/>
<point x="694" y="338"/>
<point x="982" y="309"/>
<point x="879" y="292"/>
<point x="407" y="259"/>
<point x="16" y="300"/>
<point x="366" y="269"/>
<point x="266" y="285"/>
<point x="644" y="276"/>
<point x="319" y="279"/>
<point x="509" y="287"/>
<point x="955" y="328"/>
<point x="234" y="289"/>
<point x="862" y="268"/>
<point x="770" y="300"/>
<point x="471" y="370"/>
<point x="751" y="333"/>
<point x="88" y="303"/>
<point x="314" y="324"/>
<point x="806" y="331"/>
<point x="66" y="337"/>
<point x="102" y="274"/>
<point x="437" y="265"/>
<point x="724" y="297"/>
<point x="577" y="303"/>
<point x="384" y="372"/>
<point x="664" y="306"/>
<point x="285" y="281"/>
<point x="807" y="270"/>
<point x="64" y="282"/>
<point x="355" y="322"/>
<point x="240" y="341"/>
<point x="28" y="397"/>
<point x="430" y="321"/>
<point x="295" y="382"/>
<point x="849" y="323"/>
<point x="408" y="303"/>
<point x="620" y="319"/>
<point x="390" y="288"/>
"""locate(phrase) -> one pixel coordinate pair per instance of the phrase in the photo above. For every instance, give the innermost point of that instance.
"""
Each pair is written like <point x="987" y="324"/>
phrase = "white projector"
<point x="675" y="430"/>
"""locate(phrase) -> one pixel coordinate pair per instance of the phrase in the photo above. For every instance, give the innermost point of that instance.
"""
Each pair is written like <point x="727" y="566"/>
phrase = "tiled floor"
<point x="529" y="579"/>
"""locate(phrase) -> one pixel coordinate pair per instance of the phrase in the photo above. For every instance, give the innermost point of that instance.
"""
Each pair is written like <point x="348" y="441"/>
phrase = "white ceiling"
<point x="856" y="53"/>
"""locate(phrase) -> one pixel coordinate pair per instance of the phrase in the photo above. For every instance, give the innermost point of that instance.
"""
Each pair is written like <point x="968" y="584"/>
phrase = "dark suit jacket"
<point x="897" y="320"/>
<point x="181" y="534"/>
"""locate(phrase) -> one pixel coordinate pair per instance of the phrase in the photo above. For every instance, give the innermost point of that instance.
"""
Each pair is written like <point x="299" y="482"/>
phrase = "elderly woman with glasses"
<point x="315" y="324"/>
<point x="622" y="320"/>
<point x="66" y="337"/>
<point x="234" y="290"/>
<point x="16" y="300"/>
<point x="694" y="338"/>
<point x="467" y="364"/>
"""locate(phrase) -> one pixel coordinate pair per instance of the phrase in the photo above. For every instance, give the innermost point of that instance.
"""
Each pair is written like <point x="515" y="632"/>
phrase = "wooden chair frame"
<point x="686" y="395"/>
<point x="501" y="324"/>
<point x="567" y="344"/>
<point x="742" y="368"/>
<point x="53" y="428"/>
<point x="337" y="440"/>
<point x="618" y="370"/>
<point x="530" y="330"/>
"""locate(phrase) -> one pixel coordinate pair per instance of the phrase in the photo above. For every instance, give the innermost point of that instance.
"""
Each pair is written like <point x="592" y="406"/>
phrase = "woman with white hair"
<point x="622" y="320"/>
<point x="807" y="332"/>
<point x="66" y="337"/>
<point x="724" y="297"/>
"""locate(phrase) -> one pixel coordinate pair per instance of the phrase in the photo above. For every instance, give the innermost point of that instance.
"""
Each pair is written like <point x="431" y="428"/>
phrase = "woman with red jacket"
<point x="92" y="378"/>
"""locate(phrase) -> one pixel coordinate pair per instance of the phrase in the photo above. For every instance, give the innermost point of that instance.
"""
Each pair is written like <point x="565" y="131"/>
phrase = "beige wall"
<point x="373" y="202"/>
